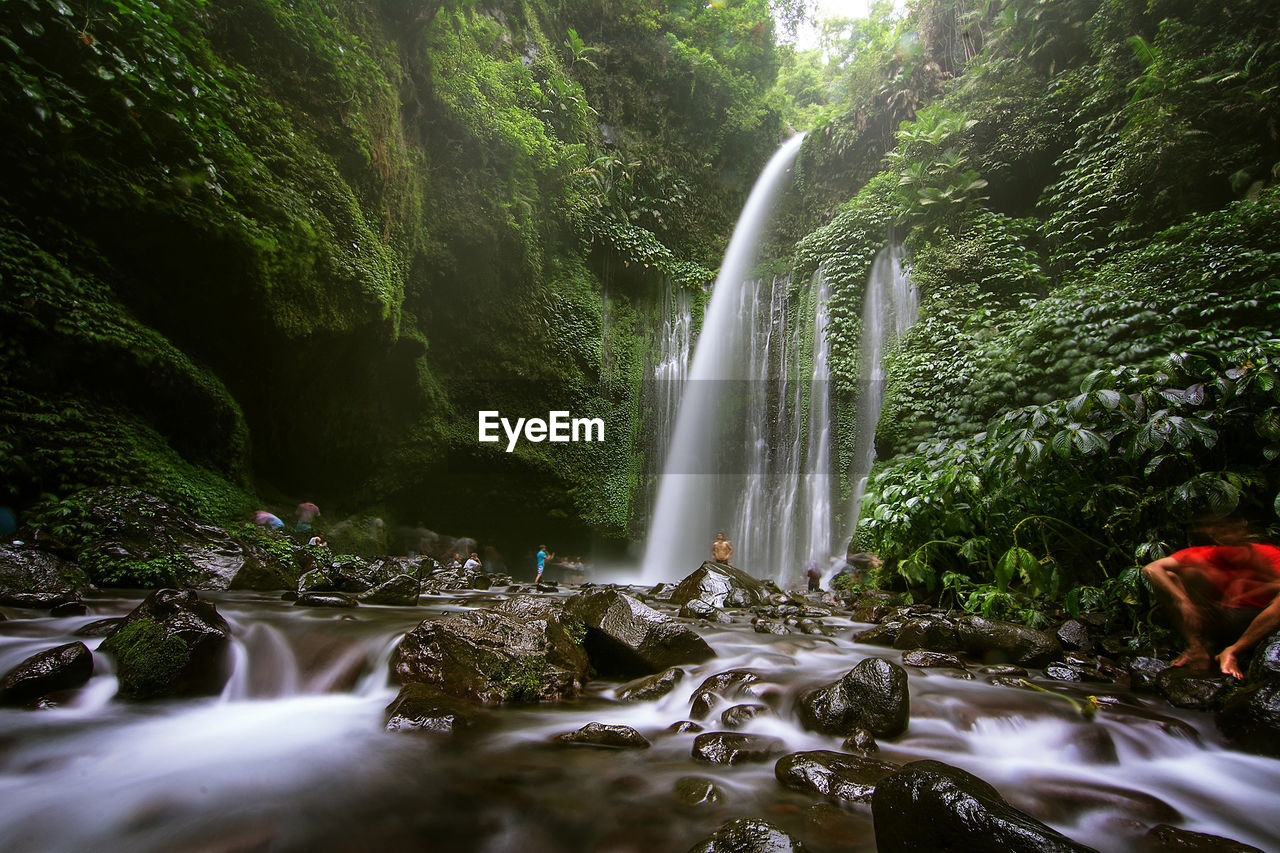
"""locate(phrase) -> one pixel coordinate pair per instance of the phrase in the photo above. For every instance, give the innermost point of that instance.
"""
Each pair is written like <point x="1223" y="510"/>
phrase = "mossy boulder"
<point x="172" y="644"/>
<point x="29" y="571"/>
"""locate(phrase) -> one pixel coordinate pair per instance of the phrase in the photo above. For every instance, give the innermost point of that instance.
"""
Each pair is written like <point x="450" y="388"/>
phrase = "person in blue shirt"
<point x="543" y="556"/>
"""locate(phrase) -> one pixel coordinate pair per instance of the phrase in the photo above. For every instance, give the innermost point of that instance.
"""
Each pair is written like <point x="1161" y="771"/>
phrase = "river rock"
<point x="1250" y="719"/>
<point x="1186" y="688"/>
<point x="926" y="659"/>
<point x="1144" y="672"/>
<point x="934" y="633"/>
<point x="1172" y="839"/>
<point x="652" y="686"/>
<point x="699" y="609"/>
<point x="172" y="644"/>
<point x="928" y="805"/>
<point x="626" y="637"/>
<point x="872" y="696"/>
<point x="1266" y="658"/>
<point x="884" y="634"/>
<point x="838" y="775"/>
<point x="720" y="585"/>
<point x="599" y="734"/>
<point x="684" y="727"/>
<point x="399" y="591"/>
<point x="99" y="627"/>
<point x="426" y="708"/>
<point x="37" y="600"/>
<point x="735" y="747"/>
<point x="493" y="657"/>
<point x="24" y="569"/>
<point x="1074" y="634"/>
<point x="861" y="741"/>
<point x="1004" y="642"/>
<point x="748" y="835"/>
<point x="69" y="607"/>
<point x="698" y="791"/>
<point x="326" y="599"/>
<point x="65" y="667"/>
<point x="739" y="715"/>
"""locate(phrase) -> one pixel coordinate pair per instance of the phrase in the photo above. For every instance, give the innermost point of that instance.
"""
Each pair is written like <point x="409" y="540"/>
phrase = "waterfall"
<point x="817" y="477"/>
<point x="703" y="475"/>
<point x="670" y="368"/>
<point x="888" y="310"/>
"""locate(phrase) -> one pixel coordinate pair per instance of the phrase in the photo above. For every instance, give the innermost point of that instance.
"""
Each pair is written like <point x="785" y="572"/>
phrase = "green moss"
<point x="522" y="679"/>
<point x="147" y="659"/>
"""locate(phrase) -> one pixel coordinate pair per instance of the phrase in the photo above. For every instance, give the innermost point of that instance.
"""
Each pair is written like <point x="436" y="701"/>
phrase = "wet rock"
<point x="748" y="835"/>
<point x="1004" y="669"/>
<point x="837" y="775"/>
<point x="399" y="591"/>
<point x="1074" y="671"/>
<point x="74" y="607"/>
<point x="735" y="747"/>
<point x="861" y="741"/>
<point x="1185" y="688"/>
<point x="493" y="657"/>
<point x="326" y="599"/>
<point x="770" y="626"/>
<point x="1074" y="634"/>
<point x="699" y="609"/>
<point x="684" y="727"/>
<point x="172" y="644"/>
<point x="1171" y="839"/>
<point x="698" y="791"/>
<point x="702" y="704"/>
<point x="928" y="805"/>
<point x="720" y="585"/>
<point x="1006" y="681"/>
<point x="24" y="569"/>
<point x="652" y="686"/>
<point x="315" y="580"/>
<point x="739" y="715"/>
<point x="628" y="638"/>
<point x="65" y="667"/>
<point x="810" y="626"/>
<point x="874" y="612"/>
<point x="1143" y="672"/>
<point x="661" y="591"/>
<point x="34" y="600"/>
<point x="352" y="576"/>
<point x="426" y="708"/>
<point x="922" y="658"/>
<point x="1250" y="719"/>
<point x="872" y="696"/>
<point x="1004" y="642"/>
<point x="934" y="633"/>
<point x="99" y="628"/>
<point x="455" y="579"/>
<point x="885" y="634"/>
<point x="599" y="734"/>
<point x="1266" y="658"/>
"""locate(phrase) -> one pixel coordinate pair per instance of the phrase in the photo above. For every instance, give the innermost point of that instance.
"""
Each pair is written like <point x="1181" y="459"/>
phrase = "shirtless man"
<point x="1222" y="595"/>
<point x="722" y="550"/>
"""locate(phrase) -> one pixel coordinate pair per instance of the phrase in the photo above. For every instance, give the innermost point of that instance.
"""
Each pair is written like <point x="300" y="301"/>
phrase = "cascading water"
<point x="817" y="477"/>
<point x="670" y="368"/>
<point x="888" y="311"/>
<point x="702" y="478"/>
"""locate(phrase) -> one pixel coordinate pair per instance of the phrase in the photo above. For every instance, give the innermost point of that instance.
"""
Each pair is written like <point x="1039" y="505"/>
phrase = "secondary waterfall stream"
<point x="293" y="755"/>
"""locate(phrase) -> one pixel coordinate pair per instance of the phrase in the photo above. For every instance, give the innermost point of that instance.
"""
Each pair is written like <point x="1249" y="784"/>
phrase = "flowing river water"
<point x="293" y="754"/>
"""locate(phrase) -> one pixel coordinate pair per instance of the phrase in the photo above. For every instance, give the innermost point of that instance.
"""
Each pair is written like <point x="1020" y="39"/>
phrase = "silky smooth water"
<point x="293" y="755"/>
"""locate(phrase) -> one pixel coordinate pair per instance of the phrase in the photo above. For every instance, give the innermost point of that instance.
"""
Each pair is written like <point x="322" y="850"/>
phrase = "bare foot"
<point x="1196" y="659"/>
<point x="1230" y="665"/>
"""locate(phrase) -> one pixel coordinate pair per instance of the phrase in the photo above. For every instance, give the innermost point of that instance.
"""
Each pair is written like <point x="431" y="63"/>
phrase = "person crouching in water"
<point x="1221" y="596"/>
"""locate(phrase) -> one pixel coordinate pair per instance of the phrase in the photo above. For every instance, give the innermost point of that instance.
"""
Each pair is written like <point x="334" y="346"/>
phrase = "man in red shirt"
<point x="1226" y="594"/>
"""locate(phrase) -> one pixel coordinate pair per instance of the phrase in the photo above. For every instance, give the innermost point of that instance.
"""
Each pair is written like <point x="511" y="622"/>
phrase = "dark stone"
<point x="922" y="658"/>
<point x="730" y="683"/>
<point x="1006" y="681"/>
<point x="75" y="607"/>
<point x="1073" y="671"/>
<point x="1186" y="688"/>
<point x="99" y="628"/>
<point x="399" y="591"/>
<point x="172" y="644"/>
<point x="699" y="609"/>
<point x="493" y="657"/>
<point x="770" y="626"/>
<point x="661" y="591"/>
<point x="426" y="708"/>
<point x="628" y="638"/>
<point x="1074" y="634"/>
<point x="62" y="668"/>
<point x="928" y="805"/>
<point x="934" y="633"/>
<point x="872" y="696"/>
<point x="885" y="634"/>
<point x="1172" y="839"/>
<point x="748" y="835"/>
<point x="698" y="791"/>
<point x="24" y="569"/>
<point x="735" y="747"/>
<point x="837" y="775"/>
<point x="315" y="580"/>
<point x="1265" y="662"/>
<point x="1004" y="669"/>
<point x="1143" y="673"/>
<point x="1004" y="642"/>
<point x="684" y="727"/>
<point x="702" y="703"/>
<point x="33" y="600"/>
<point x="651" y="686"/>
<point x="1250" y="719"/>
<point x="861" y="741"/>
<point x="599" y="734"/>
<point x="720" y="585"/>
<point x="326" y="599"/>
<point x="739" y="715"/>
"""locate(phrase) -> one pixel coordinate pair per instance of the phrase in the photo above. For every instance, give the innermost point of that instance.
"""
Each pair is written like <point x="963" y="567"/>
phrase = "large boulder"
<point x="493" y="657"/>
<point x="426" y="708"/>
<point x="1250" y="719"/>
<point x="720" y="585"/>
<point x="65" y="667"/>
<point x="1266" y="658"/>
<point x="932" y="632"/>
<point x="29" y="571"/>
<point x="172" y="644"/>
<point x="1004" y="642"/>
<point x="748" y="835"/>
<point x="838" y="775"/>
<point x="400" y="591"/>
<point x="928" y="805"/>
<point x="1186" y="688"/>
<point x="872" y="696"/>
<point x="627" y="638"/>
